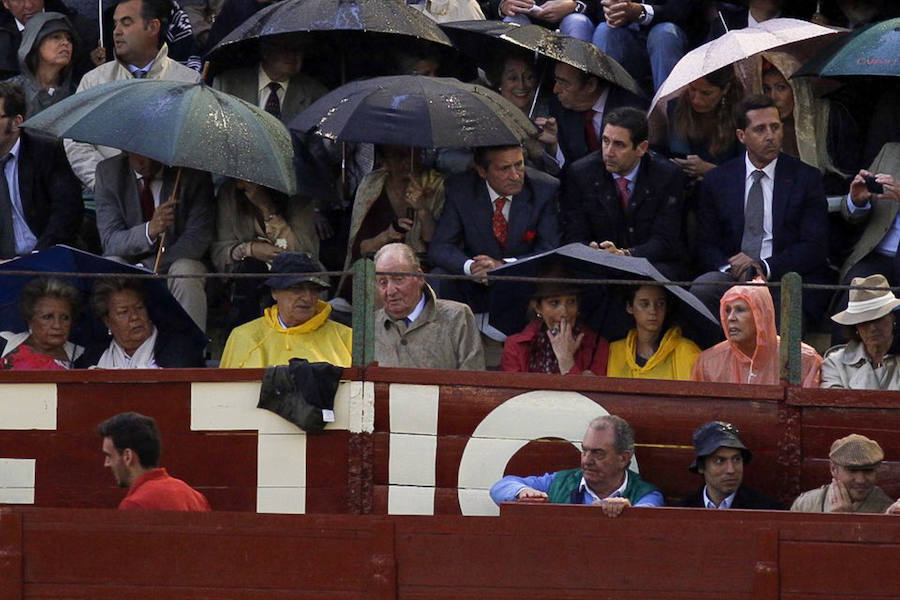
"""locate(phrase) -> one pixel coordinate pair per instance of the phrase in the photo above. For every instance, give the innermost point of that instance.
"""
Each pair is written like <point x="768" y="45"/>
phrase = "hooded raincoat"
<point x="725" y="362"/>
<point x="674" y="359"/>
<point x="263" y="342"/>
<point x="37" y="98"/>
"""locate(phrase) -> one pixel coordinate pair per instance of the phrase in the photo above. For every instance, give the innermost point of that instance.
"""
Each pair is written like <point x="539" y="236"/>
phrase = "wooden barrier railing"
<point x="554" y="552"/>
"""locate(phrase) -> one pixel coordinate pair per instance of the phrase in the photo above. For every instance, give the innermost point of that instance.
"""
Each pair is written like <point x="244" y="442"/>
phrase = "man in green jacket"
<point x="603" y="479"/>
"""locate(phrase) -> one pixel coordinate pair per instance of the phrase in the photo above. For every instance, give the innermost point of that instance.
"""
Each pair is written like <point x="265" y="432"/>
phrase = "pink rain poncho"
<point x="725" y="362"/>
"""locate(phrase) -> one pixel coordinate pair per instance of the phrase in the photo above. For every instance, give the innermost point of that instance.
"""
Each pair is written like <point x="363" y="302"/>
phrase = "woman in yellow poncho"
<point x="647" y="352"/>
<point x="296" y="327"/>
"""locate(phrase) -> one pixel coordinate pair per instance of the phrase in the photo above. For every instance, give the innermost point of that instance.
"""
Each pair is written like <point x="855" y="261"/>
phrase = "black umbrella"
<point x="869" y="51"/>
<point x="288" y="17"/>
<point x="508" y="300"/>
<point x="482" y="40"/>
<point x="411" y="110"/>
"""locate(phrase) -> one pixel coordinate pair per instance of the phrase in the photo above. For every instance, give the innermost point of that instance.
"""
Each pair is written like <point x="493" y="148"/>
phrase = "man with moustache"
<point x="603" y="479"/>
<point x="414" y="328"/>
<point x="624" y="199"/>
<point x="721" y="456"/>
<point x="762" y="214"/>
<point x="40" y="199"/>
<point x="854" y="460"/>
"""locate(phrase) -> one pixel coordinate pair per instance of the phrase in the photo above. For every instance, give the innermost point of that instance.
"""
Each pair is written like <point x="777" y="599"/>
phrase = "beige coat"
<point x="443" y="337"/>
<point x="84" y="157"/>
<point x="879" y="218"/>
<point x="818" y="500"/>
<point x="849" y="367"/>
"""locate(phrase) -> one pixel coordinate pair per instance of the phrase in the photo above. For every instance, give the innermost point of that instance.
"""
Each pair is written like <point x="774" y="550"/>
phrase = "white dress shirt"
<point x="263" y="89"/>
<point x="25" y="238"/>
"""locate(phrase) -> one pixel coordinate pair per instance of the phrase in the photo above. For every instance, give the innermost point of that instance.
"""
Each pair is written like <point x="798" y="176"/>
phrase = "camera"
<point x="873" y="186"/>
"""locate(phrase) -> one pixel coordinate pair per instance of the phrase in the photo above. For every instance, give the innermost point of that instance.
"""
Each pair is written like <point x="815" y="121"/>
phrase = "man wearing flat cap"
<point x="721" y="456"/>
<point x="865" y="362"/>
<point x="296" y="327"/>
<point x="854" y="460"/>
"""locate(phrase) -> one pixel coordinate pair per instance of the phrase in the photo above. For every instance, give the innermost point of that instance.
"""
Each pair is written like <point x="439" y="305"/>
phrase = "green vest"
<point x="565" y="485"/>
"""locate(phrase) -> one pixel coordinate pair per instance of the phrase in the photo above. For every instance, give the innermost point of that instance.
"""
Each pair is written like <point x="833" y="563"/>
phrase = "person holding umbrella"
<point x="654" y="349"/>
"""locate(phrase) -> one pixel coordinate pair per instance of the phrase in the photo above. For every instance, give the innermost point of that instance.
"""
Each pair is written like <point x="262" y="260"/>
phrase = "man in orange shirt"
<point x="131" y="447"/>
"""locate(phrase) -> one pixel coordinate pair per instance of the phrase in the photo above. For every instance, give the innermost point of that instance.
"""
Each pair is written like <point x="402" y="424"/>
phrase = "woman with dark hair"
<point x="136" y="342"/>
<point x="48" y="307"/>
<point x="555" y="341"/>
<point x="701" y="122"/>
<point x="653" y="349"/>
<point x="45" y="61"/>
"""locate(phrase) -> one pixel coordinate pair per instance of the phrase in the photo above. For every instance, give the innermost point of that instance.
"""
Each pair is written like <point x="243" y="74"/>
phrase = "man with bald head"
<point x="413" y="328"/>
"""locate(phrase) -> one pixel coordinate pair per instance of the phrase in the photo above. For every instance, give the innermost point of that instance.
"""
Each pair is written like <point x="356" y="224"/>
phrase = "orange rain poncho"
<point x="725" y="362"/>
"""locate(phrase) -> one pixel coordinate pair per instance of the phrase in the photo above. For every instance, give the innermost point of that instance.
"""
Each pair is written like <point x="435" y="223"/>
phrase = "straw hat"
<point x="867" y="305"/>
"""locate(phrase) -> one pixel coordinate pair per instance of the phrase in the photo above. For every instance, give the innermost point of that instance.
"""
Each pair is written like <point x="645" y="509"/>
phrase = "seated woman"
<point x="45" y="61"/>
<point x="136" y="342"/>
<point x="751" y="354"/>
<point x="254" y="224"/>
<point x="296" y="327"/>
<point x="398" y="202"/>
<point x="865" y="363"/>
<point x="701" y="122"/>
<point x="514" y="78"/>
<point x="48" y="307"/>
<point x="555" y="341"/>
<point x="653" y="349"/>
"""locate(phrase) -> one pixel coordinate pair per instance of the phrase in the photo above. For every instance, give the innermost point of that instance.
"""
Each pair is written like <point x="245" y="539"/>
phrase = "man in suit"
<point x="570" y="18"/>
<point x="876" y="251"/>
<point x="40" y="198"/>
<point x="501" y="211"/>
<point x="624" y="199"/>
<point x="141" y="53"/>
<point x="721" y="456"/>
<point x="762" y="214"/>
<point x="577" y="111"/>
<point x="275" y="84"/>
<point x="645" y="38"/>
<point x="135" y="214"/>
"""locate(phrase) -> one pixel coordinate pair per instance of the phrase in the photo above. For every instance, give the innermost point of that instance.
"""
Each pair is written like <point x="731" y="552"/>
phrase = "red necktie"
<point x="498" y="222"/>
<point x="590" y="132"/>
<point x="147" y="204"/>
<point x="624" y="194"/>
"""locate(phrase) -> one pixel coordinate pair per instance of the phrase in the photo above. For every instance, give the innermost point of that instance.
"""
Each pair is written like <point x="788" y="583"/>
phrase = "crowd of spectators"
<point x="733" y="187"/>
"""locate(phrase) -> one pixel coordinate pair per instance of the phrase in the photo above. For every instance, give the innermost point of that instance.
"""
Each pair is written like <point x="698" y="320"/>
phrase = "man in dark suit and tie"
<point x="721" y="457"/>
<point x="624" y="199"/>
<point x="577" y="111"/>
<point x="761" y="214"/>
<point x="40" y="198"/>
<point x="501" y="211"/>
<point x="135" y="214"/>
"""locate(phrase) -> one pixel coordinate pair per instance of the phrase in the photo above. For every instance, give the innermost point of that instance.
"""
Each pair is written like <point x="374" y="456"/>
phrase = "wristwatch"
<point x="580" y="6"/>
<point x="643" y="16"/>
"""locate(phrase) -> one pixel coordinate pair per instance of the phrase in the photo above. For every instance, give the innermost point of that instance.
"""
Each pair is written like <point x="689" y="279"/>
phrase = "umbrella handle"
<point x="162" y="237"/>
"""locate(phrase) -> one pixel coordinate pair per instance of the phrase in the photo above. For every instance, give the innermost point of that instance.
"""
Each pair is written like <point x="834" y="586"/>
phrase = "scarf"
<point x="542" y="359"/>
<point x="116" y="358"/>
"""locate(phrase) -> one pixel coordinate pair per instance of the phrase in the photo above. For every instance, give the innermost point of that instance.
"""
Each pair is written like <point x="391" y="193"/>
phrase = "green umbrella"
<point x="869" y="51"/>
<point x="180" y="125"/>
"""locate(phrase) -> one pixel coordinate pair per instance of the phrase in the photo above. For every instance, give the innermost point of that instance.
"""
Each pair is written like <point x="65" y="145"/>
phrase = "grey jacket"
<point x="36" y="97"/>
<point x="847" y="366"/>
<point x="817" y="501"/>
<point x="444" y="336"/>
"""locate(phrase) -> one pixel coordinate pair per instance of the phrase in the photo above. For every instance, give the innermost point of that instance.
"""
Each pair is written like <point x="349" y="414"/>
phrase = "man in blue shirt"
<point x="603" y="479"/>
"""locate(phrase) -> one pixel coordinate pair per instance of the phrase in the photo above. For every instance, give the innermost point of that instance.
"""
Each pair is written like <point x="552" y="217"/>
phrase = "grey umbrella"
<point x="178" y="124"/>
<point x="412" y="110"/>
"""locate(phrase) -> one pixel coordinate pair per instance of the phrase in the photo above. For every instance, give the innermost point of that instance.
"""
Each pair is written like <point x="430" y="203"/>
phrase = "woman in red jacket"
<point x="555" y="341"/>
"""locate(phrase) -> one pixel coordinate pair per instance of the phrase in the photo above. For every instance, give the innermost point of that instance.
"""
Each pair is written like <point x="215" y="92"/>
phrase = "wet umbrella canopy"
<point x="486" y="40"/>
<point x="410" y="110"/>
<point x="391" y="17"/>
<point x="178" y="124"/>
<point x="164" y="310"/>
<point x="509" y="299"/>
<point x="869" y="51"/>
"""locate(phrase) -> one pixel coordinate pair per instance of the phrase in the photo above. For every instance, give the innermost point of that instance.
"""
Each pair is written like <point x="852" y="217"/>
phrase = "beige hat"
<point x="867" y="305"/>
<point x="856" y="452"/>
